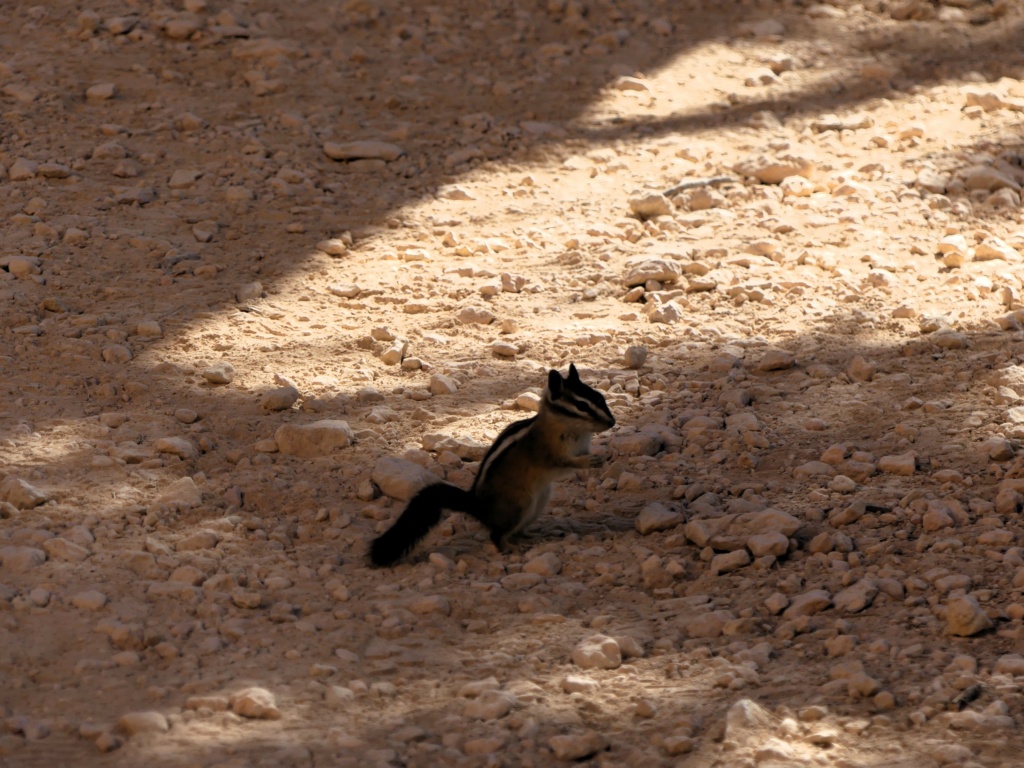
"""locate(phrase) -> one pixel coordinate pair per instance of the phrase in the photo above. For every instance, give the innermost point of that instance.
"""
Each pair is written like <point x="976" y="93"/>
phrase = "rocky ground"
<point x="264" y="266"/>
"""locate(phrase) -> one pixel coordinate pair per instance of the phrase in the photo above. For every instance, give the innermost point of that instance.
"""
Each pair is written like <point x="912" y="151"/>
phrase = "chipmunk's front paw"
<point x="598" y="460"/>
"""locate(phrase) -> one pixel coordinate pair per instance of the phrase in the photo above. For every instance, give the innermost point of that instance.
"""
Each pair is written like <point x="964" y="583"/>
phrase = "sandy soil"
<point x="805" y="548"/>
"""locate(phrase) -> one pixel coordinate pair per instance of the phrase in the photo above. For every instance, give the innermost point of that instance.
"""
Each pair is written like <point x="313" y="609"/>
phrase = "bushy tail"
<point x="421" y="514"/>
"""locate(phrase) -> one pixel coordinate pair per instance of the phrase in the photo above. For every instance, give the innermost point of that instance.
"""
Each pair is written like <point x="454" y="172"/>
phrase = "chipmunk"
<point x="513" y="484"/>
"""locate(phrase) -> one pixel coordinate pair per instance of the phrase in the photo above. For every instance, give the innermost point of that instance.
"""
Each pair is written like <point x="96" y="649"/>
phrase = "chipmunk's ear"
<point x="555" y="383"/>
<point x="574" y="375"/>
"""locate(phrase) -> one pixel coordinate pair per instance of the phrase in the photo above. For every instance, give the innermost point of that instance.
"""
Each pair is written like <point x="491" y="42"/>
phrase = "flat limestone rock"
<point x="21" y="493"/>
<point x="363" y="150"/>
<point x="576" y="746"/>
<point x="597" y="652"/>
<point x="20" y="559"/>
<point x="400" y="478"/>
<point x="257" y="703"/>
<point x="656" y="517"/>
<point x="321" y="438"/>
<point x="183" y="492"/>
<point x="965" y="617"/>
<point x="661" y="270"/>
<point x="142" y="722"/>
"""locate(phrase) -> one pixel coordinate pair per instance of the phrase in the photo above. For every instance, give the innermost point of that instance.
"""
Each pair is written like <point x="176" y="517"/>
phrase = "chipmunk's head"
<point x="570" y="397"/>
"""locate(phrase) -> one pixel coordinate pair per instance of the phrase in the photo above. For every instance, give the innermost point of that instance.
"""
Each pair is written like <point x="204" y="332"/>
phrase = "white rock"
<point x="965" y="617"/>
<point x="490" y="705"/>
<point x="808" y="604"/>
<point x="321" y="438"/>
<point x="89" y="600"/>
<point x="182" y="492"/>
<point x="474" y="688"/>
<point x="528" y="401"/>
<point x="746" y="723"/>
<point x="345" y="291"/>
<point x="546" y="565"/>
<point x="1009" y="664"/>
<point x="400" y="478"/>
<point x="504" y="348"/>
<point x="597" y="652"/>
<point x="729" y="561"/>
<point x="363" y="150"/>
<point x="660" y="270"/>
<point x="134" y="723"/>
<point x="149" y="329"/>
<point x="670" y="312"/>
<point x="116" y="353"/>
<point x="21" y="559"/>
<point x="220" y="373"/>
<point x="656" y="517"/>
<point x="279" y="398"/>
<point x="996" y="248"/>
<point x="576" y="746"/>
<point x="62" y="549"/>
<point x="772" y="170"/>
<point x="197" y="540"/>
<point x="442" y="385"/>
<point x="334" y="246"/>
<point x="21" y="493"/>
<point x="23" y="169"/>
<point x="763" y="544"/>
<point x="776" y="360"/>
<point x="249" y="292"/>
<point x="579" y="684"/>
<point x="648" y="204"/>
<point x="477" y="315"/>
<point x="177" y="446"/>
<point x="900" y="464"/>
<point x="394" y="354"/>
<point x="256" y="703"/>
<point x="856" y="597"/>
<point x="634" y="357"/>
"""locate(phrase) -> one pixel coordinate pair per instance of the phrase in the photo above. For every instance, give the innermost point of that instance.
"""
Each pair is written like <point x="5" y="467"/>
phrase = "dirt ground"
<point x="784" y="239"/>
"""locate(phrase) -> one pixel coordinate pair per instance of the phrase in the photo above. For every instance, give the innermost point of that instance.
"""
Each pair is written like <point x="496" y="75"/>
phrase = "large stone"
<point x="221" y="372"/>
<point x="746" y="724"/>
<point x="177" y="446"/>
<point x="776" y="360"/>
<point x="321" y="438"/>
<point x="400" y="478"/>
<point x="133" y="723"/>
<point x="770" y="520"/>
<point x="660" y="270"/>
<point x="258" y="703"/>
<point x="576" y="746"/>
<point x="62" y="549"/>
<point x="648" y="204"/>
<point x="808" y="604"/>
<point x="21" y="493"/>
<point x="701" y="530"/>
<point x="772" y="170"/>
<point x="856" y="597"/>
<point x="363" y="150"/>
<point x="182" y="492"/>
<point x="475" y="315"/>
<point x="21" y="559"/>
<point x="899" y="464"/>
<point x="280" y="398"/>
<point x="490" y="705"/>
<point x="729" y="561"/>
<point x="656" y="517"/>
<point x="764" y="544"/>
<point x="965" y="617"/>
<point x="597" y="652"/>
